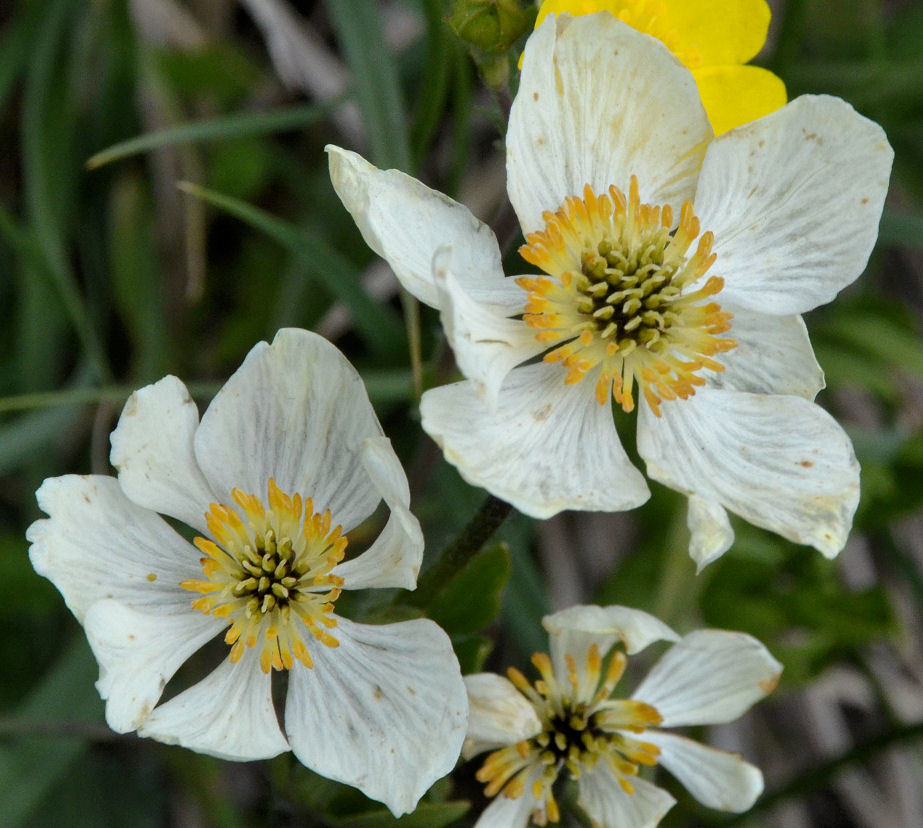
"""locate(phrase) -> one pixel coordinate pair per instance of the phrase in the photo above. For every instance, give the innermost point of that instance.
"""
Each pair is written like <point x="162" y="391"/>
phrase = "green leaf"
<point x="879" y="336"/>
<point x="31" y="434"/>
<point x="388" y="386"/>
<point x="472" y="651"/>
<point x="135" y="277"/>
<point x="31" y="766"/>
<point x="866" y="84"/>
<point x="361" y="36"/>
<point x="524" y="604"/>
<point x="793" y="603"/>
<point x="845" y="366"/>
<point x="238" y="125"/>
<point x="218" y="70"/>
<point x="431" y="100"/>
<point x="905" y="32"/>
<point x="16" y="46"/>
<point x="471" y="600"/>
<point x="427" y="815"/>
<point x="892" y="475"/>
<point x="48" y="127"/>
<point x="904" y="228"/>
<point x="375" y="323"/>
<point x="345" y="806"/>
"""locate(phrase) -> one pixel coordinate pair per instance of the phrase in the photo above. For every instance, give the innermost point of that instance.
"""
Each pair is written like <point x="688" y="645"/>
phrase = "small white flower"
<point x="288" y="458"/>
<point x="567" y="722"/>
<point x="675" y="269"/>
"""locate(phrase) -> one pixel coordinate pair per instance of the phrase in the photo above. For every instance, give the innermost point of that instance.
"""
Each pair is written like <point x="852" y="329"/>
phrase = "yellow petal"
<point x="733" y="95"/>
<point x="722" y="32"/>
<point x="577" y="7"/>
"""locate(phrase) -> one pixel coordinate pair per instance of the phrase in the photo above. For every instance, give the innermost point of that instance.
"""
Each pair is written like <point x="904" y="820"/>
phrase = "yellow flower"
<point x="713" y="39"/>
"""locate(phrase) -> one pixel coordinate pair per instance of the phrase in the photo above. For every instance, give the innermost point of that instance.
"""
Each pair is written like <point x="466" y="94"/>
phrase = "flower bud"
<point x="491" y="26"/>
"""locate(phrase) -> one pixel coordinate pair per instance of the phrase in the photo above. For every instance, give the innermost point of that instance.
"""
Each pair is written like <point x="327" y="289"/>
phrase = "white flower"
<point x="614" y="175"/>
<point x="288" y="458"/>
<point x="567" y="721"/>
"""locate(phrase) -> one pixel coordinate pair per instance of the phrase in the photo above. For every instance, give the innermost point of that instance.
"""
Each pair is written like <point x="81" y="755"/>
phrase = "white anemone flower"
<point x="287" y="460"/>
<point x="676" y="266"/>
<point x="568" y="725"/>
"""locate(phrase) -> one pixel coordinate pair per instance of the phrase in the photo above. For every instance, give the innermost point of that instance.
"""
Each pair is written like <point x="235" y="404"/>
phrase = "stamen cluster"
<point x="269" y="570"/>
<point x="581" y="726"/>
<point x="619" y="296"/>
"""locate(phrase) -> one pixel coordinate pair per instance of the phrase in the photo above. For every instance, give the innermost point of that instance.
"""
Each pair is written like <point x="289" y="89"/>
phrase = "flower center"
<point x="619" y="295"/>
<point x="269" y="573"/>
<point x="581" y="726"/>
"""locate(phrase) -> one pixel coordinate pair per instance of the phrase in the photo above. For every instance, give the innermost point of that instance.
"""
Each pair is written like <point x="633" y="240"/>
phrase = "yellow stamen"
<point x="623" y="298"/>
<point x="268" y="569"/>
<point x="581" y="726"/>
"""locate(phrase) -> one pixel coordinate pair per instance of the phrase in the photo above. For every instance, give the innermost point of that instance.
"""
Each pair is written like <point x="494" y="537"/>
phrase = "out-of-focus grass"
<point x="111" y="276"/>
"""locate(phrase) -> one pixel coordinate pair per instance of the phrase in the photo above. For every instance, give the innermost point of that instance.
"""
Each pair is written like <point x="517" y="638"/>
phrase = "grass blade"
<point x="376" y="323"/>
<point x="31" y="767"/>
<point x="375" y="80"/>
<point x="238" y="125"/>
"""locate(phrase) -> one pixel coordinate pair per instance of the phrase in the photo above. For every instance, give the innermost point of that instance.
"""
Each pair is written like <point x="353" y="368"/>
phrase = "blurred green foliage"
<point x="164" y="203"/>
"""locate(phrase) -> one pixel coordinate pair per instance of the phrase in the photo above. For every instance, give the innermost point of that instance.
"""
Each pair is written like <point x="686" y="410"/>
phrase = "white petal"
<point x="780" y="462"/>
<point x="547" y="446"/>
<point x="794" y="200"/>
<point x="498" y="714"/>
<point x="504" y="812"/>
<point x="395" y="557"/>
<point x="709" y="677"/>
<point x="152" y="450"/>
<point x="385" y="711"/>
<point x="138" y="653"/>
<point x="575" y="629"/>
<point x="773" y="356"/>
<point x="405" y="222"/>
<point x="609" y="806"/>
<point x="710" y="531"/>
<point x="502" y="297"/>
<point x="296" y="411"/>
<point x="487" y="345"/>
<point x="229" y="714"/>
<point x="599" y="102"/>
<point x="98" y="544"/>
<point x="714" y="777"/>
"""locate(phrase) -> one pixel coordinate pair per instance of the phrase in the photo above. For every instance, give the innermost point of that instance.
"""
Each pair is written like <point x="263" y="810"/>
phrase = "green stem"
<point x="411" y="307"/>
<point x="457" y="554"/>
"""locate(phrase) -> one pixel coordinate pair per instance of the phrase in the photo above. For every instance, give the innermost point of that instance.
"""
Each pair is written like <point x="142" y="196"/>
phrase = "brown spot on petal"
<point x="806" y="463"/>
<point x="770" y="684"/>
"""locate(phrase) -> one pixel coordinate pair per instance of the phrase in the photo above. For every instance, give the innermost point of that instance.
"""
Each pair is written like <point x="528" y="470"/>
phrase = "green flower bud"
<point x="491" y="26"/>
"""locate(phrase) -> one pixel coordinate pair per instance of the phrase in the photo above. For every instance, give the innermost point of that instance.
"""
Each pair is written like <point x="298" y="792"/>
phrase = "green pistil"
<point x="271" y="579"/>
<point x="625" y="296"/>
